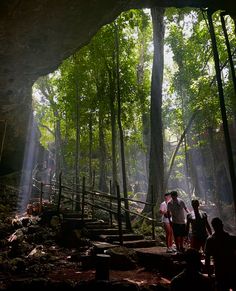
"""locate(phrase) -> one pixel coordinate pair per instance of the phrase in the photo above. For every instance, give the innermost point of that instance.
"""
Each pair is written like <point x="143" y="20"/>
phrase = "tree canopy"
<point x="76" y="107"/>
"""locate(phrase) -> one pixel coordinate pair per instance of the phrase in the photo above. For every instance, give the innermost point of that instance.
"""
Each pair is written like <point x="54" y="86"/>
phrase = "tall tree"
<point x="77" y="143"/>
<point x="143" y="57"/>
<point x="123" y="166"/>
<point x="156" y="161"/>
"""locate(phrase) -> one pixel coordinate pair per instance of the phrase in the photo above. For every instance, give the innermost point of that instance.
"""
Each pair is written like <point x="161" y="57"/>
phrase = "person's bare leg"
<point x="166" y="231"/>
<point x="169" y="235"/>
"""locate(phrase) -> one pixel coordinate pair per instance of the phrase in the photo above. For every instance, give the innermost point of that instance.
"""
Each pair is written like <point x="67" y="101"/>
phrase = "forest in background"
<point x="117" y="111"/>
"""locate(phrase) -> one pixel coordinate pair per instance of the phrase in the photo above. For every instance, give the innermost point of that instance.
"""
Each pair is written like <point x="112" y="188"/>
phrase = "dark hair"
<point x="167" y="194"/>
<point x="193" y="258"/>
<point x="195" y="202"/>
<point x="174" y="193"/>
<point x="217" y="223"/>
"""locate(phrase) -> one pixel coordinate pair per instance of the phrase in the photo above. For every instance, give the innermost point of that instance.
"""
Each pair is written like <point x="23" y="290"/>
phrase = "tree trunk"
<point x="223" y="108"/>
<point x="192" y="169"/>
<point x="90" y="148"/>
<point x="113" y="130"/>
<point x="177" y="148"/>
<point x="102" y="154"/>
<point x="58" y="145"/>
<point x="156" y="161"/>
<point x="64" y="149"/>
<point x="77" y="148"/>
<point x="142" y="98"/>
<point x="230" y="57"/>
<point x="187" y="175"/>
<point x="127" y="216"/>
<point x="213" y="155"/>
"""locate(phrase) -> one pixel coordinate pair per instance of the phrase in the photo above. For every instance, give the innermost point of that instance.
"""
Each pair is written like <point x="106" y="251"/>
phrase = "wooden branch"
<point x="45" y="126"/>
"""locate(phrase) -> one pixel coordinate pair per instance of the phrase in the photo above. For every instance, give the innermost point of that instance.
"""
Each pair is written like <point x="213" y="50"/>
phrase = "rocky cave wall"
<point x="36" y="36"/>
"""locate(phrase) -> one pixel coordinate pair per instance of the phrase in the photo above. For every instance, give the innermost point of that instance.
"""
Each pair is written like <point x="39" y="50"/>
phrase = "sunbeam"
<point x="30" y="158"/>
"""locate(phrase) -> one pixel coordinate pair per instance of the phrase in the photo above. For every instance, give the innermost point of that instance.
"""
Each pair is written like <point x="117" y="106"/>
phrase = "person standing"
<point x="197" y="220"/>
<point x="221" y="247"/>
<point x="166" y="223"/>
<point x="176" y="209"/>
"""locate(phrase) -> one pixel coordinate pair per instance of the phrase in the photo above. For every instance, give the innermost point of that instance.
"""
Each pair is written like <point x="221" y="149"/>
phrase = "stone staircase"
<point x="105" y="236"/>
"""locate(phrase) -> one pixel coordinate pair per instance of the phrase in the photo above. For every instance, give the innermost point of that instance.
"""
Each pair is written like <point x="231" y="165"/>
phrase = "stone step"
<point x="101" y="247"/>
<point x="69" y="214"/>
<point x="86" y="219"/>
<point x="75" y="223"/>
<point x="156" y="257"/>
<point x="105" y="235"/>
<point x="115" y="237"/>
<point x="142" y="243"/>
<point x="99" y="225"/>
<point x="105" y="231"/>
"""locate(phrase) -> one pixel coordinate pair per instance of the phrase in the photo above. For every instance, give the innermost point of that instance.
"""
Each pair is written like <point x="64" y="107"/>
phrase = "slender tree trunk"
<point x="231" y="63"/>
<point x="64" y="149"/>
<point x="184" y="99"/>
<point x="177" y="148"/>
<point x="192" y="169"/>
<point x="145" y="128"/>
<point x="142" y="98"/>
<point x="102" y="156"/>
<point x="213" y="155"/>
<point x="227" y="43"/>
<point x="204" y="171"/>
<point x="123" y="166"/>
<point x="234" y="19"/>
<point x="77" y="147"/>
<point x="156" y="161"/>
<point x="223" y="109"/>
<point x="90" y="148"/>
<point x="187" y="175"/>
<point x="58" y="145"/>
<point x="113" y="129"/>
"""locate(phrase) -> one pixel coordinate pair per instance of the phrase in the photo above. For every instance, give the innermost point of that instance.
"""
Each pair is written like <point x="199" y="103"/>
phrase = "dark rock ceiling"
<point x="37" y="35"/>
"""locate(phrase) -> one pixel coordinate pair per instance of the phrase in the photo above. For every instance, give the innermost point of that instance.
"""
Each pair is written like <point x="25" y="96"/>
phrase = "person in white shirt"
<point x="166" y="223"/>
<point x="175" y="210"/>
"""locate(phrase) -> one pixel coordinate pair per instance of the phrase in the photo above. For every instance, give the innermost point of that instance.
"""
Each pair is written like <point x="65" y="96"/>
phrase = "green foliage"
<point x="142" y="226"/>
<point x="87" y="81"/>
<point x="90" y="75"/>
<point x="192" y="84"/>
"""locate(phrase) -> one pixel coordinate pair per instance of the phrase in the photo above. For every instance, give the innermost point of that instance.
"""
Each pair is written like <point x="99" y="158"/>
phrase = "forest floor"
<point x="32" y="251"/>
<point x="139" y="276"/>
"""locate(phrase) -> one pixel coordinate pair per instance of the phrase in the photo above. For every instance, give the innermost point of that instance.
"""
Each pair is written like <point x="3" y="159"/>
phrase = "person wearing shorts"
<point x="176" y="209"/>
<point x="166" y="223"/>
<point x="197" y="221"/>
